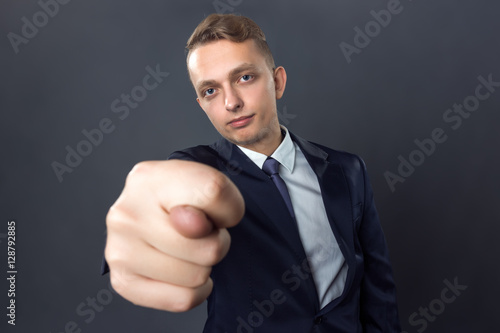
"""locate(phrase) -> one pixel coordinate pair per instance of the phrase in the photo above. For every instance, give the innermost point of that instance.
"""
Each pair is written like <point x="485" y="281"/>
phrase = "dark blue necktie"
<point x="271" y="167"/>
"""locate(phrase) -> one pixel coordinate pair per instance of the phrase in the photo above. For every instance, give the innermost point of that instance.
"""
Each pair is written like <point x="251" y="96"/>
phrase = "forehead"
<point x="214" y="60"/>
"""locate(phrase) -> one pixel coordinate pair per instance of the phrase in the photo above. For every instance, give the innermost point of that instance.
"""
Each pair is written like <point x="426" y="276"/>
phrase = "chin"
<point x="247" y="136"/>
<point x="242" y="140"/>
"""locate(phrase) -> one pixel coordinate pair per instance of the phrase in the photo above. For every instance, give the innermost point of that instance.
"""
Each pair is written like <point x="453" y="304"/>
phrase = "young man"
<point x="307" y="252"/>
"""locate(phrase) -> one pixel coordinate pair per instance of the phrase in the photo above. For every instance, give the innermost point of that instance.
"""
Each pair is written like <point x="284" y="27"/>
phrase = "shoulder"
<point x="206" y="154"/>
<point x="345" y="159"/>
<point x="197" y="153"/>
<point x="352" y="168"/>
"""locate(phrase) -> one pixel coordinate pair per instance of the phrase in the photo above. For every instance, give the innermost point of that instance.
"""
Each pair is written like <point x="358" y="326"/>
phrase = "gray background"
<point x="441" y="223"/>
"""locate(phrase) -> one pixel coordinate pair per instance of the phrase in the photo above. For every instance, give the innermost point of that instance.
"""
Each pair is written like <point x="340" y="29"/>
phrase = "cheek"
<point x="264" y="96"/>
<point x="217" y="118"/>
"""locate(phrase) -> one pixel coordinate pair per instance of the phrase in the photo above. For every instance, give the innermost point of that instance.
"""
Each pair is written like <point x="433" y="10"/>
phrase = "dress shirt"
<point x="327" y="262"/>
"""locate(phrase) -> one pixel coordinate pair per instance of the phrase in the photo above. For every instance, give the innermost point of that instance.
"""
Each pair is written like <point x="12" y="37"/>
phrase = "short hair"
<point x="235" y="28"/>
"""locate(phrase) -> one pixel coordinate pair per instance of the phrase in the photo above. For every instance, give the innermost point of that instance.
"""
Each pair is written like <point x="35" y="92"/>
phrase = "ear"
<point x="279" y="81"/>
<point x="199" y="103"/>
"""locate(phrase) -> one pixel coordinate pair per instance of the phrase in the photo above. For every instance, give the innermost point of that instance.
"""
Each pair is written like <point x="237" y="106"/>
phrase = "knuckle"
<point x="114" y="257"/>
<point x="120" y="254"/>
<point x="142" y="167"/>
<point x="139" y="170"/>
<point x="215" y="185"/>
<point x="109" y="253"/>
<point x="199" y="277"/>
<point x="185" y="303"/>
<point x="113" y="216"/>
<point x="120" y="218"/>
<point x="119" y="282"/>
<point x="213" y="252"/>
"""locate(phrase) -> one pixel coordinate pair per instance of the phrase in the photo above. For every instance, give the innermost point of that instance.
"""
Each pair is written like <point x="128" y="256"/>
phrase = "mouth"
<point x="241" y="121"/>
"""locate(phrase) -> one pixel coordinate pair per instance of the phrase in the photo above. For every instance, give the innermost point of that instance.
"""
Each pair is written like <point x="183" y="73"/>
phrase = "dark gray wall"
<point x="441" y="222"/>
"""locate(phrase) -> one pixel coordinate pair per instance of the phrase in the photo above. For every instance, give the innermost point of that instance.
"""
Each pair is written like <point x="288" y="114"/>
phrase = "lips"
<point x="241" y="121"/>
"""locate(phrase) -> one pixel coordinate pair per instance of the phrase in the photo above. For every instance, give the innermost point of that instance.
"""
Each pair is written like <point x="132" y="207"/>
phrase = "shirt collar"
<point x="285" y="153"/>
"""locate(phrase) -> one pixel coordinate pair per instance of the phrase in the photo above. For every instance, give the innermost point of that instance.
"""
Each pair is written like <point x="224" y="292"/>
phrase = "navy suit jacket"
<point x="264" y="283"/>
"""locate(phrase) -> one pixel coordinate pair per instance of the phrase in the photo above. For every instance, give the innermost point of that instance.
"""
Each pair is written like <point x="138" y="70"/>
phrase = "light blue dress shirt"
<point x="327" y="262"/>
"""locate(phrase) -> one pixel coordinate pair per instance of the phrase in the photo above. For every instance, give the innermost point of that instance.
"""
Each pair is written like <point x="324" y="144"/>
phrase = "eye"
<point x="209" y="92"/>
<point x="246" y="77"/>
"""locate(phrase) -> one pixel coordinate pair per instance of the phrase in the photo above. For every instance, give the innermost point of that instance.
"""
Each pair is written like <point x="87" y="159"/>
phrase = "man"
<point x="308" y="255"/>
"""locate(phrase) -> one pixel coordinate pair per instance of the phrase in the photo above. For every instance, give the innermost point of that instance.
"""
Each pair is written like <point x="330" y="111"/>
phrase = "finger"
<point x="151" y="224"/>
<point x="206" y="251"/>
<point x="186" y="183"/>
<point x="159" y="295"/>
<point x="155" y="265"/>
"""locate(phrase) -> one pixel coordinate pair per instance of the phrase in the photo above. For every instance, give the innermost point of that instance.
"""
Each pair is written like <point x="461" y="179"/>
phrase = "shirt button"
<point x="318" y="320"/>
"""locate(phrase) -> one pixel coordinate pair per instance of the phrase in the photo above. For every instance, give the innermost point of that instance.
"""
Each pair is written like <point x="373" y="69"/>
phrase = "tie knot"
<point x="271" y="166"/>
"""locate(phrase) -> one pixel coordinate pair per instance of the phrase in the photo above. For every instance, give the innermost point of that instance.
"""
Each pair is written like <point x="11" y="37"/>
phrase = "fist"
<point x="166" y="231"/>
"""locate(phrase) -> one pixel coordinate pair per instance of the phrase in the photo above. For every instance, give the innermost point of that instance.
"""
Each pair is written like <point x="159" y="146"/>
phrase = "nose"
<point x="232" y="100"/>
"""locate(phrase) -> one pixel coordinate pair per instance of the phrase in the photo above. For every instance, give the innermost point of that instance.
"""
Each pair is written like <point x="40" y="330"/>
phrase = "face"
<point x="238" y="91"/>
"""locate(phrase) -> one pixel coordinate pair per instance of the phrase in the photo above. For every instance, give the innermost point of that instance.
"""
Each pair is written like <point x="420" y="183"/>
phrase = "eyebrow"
<point x="234" y="72"/>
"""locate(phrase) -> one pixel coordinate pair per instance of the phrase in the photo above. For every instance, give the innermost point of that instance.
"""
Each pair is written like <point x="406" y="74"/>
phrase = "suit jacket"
<point x="264" y="283"/>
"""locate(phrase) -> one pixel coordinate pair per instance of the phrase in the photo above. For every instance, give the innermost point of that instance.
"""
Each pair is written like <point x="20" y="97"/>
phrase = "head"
<point x="236" y="82"/>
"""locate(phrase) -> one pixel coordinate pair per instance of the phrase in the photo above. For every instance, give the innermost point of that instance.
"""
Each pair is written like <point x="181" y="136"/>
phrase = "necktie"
<point x="271" y="167"/>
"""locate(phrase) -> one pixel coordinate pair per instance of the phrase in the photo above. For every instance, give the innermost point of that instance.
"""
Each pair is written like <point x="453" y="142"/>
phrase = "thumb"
<point x="190" y="222"/>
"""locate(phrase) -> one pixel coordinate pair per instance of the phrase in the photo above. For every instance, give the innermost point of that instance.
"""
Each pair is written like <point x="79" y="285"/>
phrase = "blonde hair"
<point x="234" y="28"/>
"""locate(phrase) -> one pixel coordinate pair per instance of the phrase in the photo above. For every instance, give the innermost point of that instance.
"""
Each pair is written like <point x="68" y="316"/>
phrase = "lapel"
<point x="259" y="192"/>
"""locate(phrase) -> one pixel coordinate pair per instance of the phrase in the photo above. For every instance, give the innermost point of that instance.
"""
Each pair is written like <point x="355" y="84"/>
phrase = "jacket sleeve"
<point x="379" y="311"/>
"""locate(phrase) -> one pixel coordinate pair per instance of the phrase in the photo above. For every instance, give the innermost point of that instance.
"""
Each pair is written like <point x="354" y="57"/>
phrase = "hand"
<point x="166" y="231"/>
